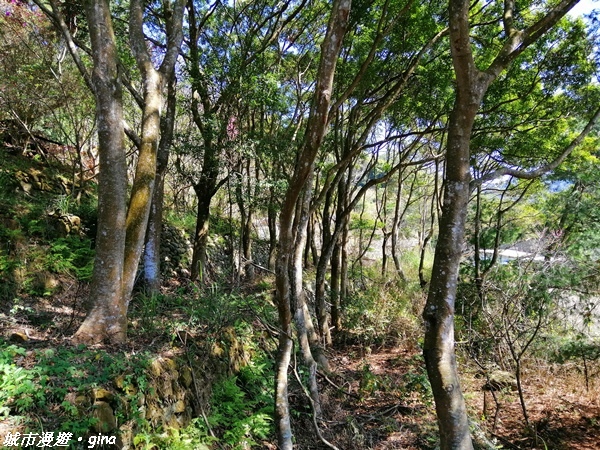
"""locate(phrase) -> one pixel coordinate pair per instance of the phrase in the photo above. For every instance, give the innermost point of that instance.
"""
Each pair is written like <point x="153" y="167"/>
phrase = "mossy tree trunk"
<point x="121" y="229"/>
<point x="152" y="256"/>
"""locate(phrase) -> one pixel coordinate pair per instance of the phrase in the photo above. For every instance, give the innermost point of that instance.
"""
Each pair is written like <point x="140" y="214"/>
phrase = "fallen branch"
<point x="348" y="393"/>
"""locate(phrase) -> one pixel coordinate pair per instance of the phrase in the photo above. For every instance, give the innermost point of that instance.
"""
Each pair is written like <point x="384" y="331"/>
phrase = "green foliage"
<point x="416" y="383"/>
<point x="33" y="382"/>
<point x="18" y="388"/>
<point x="363" y="223"/>
<point x="193" y="436"/>
<point x="383" y="310"/>
<point x="577" y="348"/>
<point x="71" y="255"/>
<point x="242" y="405"/>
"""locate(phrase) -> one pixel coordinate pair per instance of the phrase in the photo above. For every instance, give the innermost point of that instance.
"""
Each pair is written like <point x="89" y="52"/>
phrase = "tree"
<point x="471" y="86"/>
<point x="108" y="318"/>
<point x="121" y="227"/>
<point x="313" y="137"/>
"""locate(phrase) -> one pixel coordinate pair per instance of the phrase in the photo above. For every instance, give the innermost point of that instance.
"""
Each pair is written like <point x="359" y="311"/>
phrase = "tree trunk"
<point x="336" y="313"/>
<point x="119" y="243"/>
<point x="153" y="81"/>
<point x="107" y="320"/>
<point x="471" y="86"/>
<point x="438" y="348"/>
<point x="322" y="265"/>
<point x="143" y="183"/>
<point x="152" y="256"/>
<point x="201" y="235"/>
<point x="304" y="325"/>
<point x="315" y="131"/>
<point x="272" y="223"/>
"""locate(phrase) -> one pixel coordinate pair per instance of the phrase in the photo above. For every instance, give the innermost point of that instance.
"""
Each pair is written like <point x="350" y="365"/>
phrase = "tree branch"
<point x="529" y="175"/>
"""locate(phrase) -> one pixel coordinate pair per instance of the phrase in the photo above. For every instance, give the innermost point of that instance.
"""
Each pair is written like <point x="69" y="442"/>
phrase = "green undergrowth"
<point x="42" y="389"/>
<point x="239" y="413"/>
<point x="384" y="311"/>
<point x="36" y="251"/>
<point x="230" y="400"/>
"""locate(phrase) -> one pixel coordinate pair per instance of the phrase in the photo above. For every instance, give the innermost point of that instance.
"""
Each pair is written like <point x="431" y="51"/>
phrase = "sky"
<point x="584" y="7"/>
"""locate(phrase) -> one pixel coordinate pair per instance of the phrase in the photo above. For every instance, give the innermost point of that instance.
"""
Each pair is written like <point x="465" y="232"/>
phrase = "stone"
<point x="106" y="421"/>
<point x="179" y="406"/>
<point x="500" y="379"/>
<point x="101" y="394"/>
<point x="186" y="377"/>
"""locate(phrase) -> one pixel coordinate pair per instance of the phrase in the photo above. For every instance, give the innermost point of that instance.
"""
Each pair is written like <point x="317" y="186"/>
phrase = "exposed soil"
<point x="392" y="410"/>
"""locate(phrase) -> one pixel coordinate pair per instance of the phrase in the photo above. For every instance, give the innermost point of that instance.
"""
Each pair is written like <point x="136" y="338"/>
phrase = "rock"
<point x="82" y="401"/>
<point x="65" y="224"/>
<point x="125" y="385"/>
<point x="101" y="394"/>
<point x="500" y="379"/>
<point x="106" y="421"/>
<point x="153" y="413"/>
<point x="126" y="434"/>
<point x="186" y="377"/>
<point x="19" y="337"/>
<point x="26" y="187"/>
<point x="179" y="406"/>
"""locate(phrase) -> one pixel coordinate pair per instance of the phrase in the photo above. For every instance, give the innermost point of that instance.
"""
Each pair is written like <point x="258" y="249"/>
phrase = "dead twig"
<point x="348" y="393"/>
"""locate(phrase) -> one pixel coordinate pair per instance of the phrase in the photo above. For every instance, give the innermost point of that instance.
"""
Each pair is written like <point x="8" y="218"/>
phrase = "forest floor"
<point x="378" y="397"/>
<point x="389" y="406"/>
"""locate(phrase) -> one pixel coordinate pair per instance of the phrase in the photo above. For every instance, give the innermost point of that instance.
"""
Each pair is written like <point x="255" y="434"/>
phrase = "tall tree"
<point x="108" y="318"/>
<point x="226" y="43"/>
<point x="121" y="227"/>
<point x="313" y="137"/>
<point x="472" y="85"/>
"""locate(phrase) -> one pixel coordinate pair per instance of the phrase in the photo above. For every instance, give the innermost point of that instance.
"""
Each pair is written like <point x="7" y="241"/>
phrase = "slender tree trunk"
<point x="152" y="256"/>
<point x="304" y="326"/>
<point x="341" y="247"/>
<point x="153" y="81"/>
<point x="438" y="348"/>
<point x="336" y="313"/>
<point x="471" y="86"/>
<point x="143" y="183"/>
<point x="344" y="267"/>
<point x="315" y="131"/>
<point x="322" y="264"/>
<point x="201" y="235"/>
<point x="272" y="223"/>
<point x="428" y="235"/>
<point x="398" y="218"/>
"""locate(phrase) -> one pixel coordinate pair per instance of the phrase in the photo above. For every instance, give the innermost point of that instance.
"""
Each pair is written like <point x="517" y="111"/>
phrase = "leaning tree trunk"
<point x="313" y="138"/>
<point x="153" y="81"/>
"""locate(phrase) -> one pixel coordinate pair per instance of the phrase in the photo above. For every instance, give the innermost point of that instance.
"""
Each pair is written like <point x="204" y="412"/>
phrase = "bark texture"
<point x="107" y="320"/>
<point x="471" y="87"/>
<point x="121" y="230"/>
<point x="313" y="138"/>
<point x="152" y="256"/>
